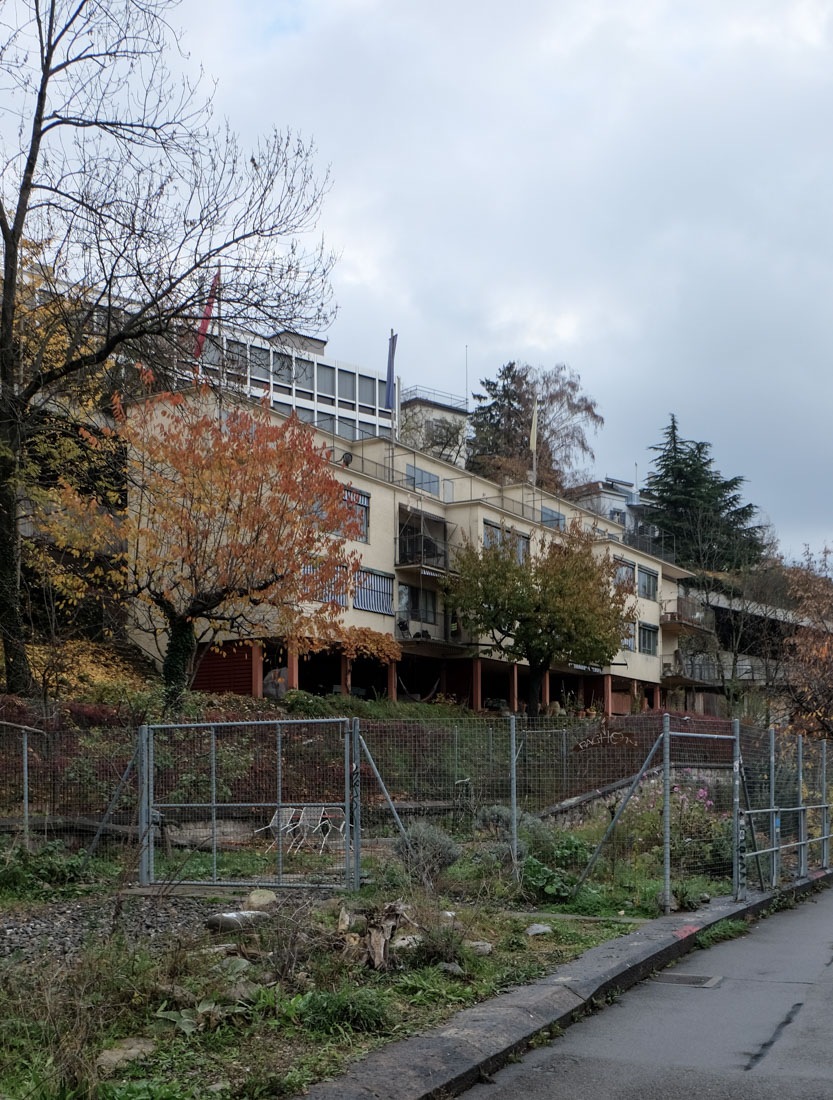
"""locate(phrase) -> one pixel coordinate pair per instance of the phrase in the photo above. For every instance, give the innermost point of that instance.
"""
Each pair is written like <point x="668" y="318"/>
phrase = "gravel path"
<point x="59" y="929"/>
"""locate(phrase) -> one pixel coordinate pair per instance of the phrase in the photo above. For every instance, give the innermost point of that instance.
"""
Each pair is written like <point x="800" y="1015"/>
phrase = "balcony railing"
<point x="702" y="668"/>
<point x="436" y="397"/>
<point x="687" y="611"/>
<point x="442" y="627"/>
<point x="657" y="544"/>
<point x="422" y="549"/>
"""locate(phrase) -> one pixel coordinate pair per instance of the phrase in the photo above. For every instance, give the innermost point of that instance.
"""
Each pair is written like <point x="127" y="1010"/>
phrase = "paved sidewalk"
<point x="479" y="1040"/>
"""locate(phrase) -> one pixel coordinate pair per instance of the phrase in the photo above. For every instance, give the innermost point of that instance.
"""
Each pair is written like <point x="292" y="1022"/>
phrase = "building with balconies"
<point x="416" y="508"/>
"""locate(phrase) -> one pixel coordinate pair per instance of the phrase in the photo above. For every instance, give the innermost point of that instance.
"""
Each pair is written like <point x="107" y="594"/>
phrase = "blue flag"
<point x="390" y="388"/>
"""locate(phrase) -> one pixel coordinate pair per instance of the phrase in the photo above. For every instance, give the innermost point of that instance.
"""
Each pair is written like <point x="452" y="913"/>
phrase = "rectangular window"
<point x="367" y="390"/>
<point x="551" y="518"/>
<point x="347" y="385"/>
<point x="417" y="604"/>
<point x="282" y="372"/>
<point x="259" y="363"/>
<point x="492" y="535"/>
<point x="648" y="636"/>
<point x="326" y="380"/>
<point x="417" y="478"/>
<point x="346" y="428"/>
<point x="360" y="503"/>
<point x="626" y="574"/>
<point x="235" y="357"/>
<point x="521" y="547"/>
<point x="647" y="583"/>
<point x="374" y="592"/>
<point x="629" y="637"/>
<point x="304" y="374"/>
<point x="617" y="515"/>
<point x="366" y="429"/>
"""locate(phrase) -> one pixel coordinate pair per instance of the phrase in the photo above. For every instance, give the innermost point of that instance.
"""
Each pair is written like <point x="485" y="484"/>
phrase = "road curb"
<point x="479" y="1040"/>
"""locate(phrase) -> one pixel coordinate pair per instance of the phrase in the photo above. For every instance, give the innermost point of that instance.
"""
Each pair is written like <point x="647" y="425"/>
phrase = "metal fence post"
<point x="513" y="795"/>
<point x="357" y="809"/>
<point x="774" y="817"/>
<point x="213" y="751"/>
<point x="348" y="821"/>
<point x="666" y="812"/>
<point x="25" y="749"/>
<point x="144" y="809"/>
<point x="825" y="811"/>
<point x="737" y="825"/>
<point x="802" y="813"/>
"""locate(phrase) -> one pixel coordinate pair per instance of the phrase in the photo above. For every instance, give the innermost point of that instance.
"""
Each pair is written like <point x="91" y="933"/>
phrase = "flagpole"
<point x="533" y="443"/>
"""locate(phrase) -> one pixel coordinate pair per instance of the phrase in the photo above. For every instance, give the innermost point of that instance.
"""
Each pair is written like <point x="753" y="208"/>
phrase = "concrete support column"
<point x="545" y="690"/>
<point x="392" y="671"/>
<point x="513" y="689"/>
<point x="292" y="669"/>
<point x="476" y="684"/>
<point x="257" y="670"/>
<point x="607" y="682"/>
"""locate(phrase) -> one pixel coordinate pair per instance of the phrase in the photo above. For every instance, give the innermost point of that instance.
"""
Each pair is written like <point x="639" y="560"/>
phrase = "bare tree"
<point x="120" y="198"/>
<point x="753" y="613"/>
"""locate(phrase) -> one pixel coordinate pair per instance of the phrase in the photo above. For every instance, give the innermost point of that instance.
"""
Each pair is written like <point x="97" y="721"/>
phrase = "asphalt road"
<point x="761" y="1029"/>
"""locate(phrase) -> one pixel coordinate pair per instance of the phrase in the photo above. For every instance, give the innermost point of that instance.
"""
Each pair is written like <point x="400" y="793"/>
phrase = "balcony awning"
<point x="426" y="571"/>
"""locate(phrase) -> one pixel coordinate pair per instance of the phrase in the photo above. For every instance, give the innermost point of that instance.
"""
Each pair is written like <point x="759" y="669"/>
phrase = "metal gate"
<point x="246" y="803"/>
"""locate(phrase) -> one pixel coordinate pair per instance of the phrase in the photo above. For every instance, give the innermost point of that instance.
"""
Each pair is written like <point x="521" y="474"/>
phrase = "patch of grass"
<point x="50" y="871"/>
<point x="724" y="930"/>
<point x="316" y="1007"/>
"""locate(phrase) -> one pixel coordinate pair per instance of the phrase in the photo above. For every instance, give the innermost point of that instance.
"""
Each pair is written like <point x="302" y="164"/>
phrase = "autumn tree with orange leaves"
<point x="234" y="526"/>
<point x="809" y="680"/>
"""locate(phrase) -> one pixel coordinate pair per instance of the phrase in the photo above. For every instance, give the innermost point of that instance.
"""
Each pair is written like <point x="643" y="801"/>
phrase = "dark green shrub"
<point x="306" y="705"/>
<point x="34" y="873"/>
<point x="542" y="882"/>
<point x="346" y="1010"/>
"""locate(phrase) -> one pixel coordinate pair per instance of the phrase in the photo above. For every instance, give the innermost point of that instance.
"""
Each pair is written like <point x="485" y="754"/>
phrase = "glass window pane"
<point x="235" y="357"/>
<point x="326" y="380"/>
<point x="367" y="390"/>
<point x="347" y="385"/>
<point x="282" y="367"/>
<point x="259" y="362"/>
<point x="304" y="373"/>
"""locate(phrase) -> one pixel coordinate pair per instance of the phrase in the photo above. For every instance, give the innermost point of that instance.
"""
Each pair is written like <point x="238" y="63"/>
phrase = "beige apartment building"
<point x="415" y="509"/>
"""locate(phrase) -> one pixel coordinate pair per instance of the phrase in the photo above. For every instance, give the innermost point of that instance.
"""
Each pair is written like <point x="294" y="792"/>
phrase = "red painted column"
<point x="476" y="681"/>
<point x="257" y="670"/>
<point x="545" y="690"/>
<point x="292" y="670"/>
<point x="345" y="675"/>
<point x="392" y="670"/>
<point x="513" y="689"/>
<point x="608" y="695"/>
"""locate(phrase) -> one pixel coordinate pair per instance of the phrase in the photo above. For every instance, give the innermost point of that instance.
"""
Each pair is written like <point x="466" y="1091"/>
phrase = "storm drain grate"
<point x="699" y="981"/>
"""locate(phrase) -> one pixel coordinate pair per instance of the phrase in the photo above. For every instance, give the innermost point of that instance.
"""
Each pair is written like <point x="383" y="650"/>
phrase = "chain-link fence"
<point x="601" y="804"/>
<point x="76" y="787"/>
<point x="234" y="802"/>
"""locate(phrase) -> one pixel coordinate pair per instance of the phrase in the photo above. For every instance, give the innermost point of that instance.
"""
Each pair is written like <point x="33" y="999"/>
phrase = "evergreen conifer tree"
<point x="713" y="529"/>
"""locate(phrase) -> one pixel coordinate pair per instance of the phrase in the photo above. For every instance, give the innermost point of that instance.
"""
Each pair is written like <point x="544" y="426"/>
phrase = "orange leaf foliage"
<point x="236" y="522"/>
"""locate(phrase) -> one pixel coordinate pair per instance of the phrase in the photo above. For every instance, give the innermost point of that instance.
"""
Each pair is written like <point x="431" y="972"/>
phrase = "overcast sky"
<point x="641" y="189"/>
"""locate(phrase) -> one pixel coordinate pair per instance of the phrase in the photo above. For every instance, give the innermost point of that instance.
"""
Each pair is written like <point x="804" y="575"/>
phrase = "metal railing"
<point x="687" y="611"/>
<point x="420" y="548"/>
